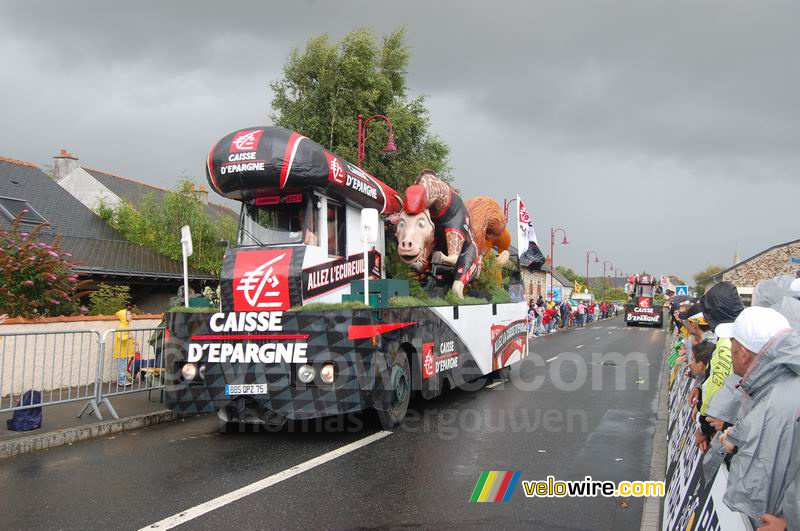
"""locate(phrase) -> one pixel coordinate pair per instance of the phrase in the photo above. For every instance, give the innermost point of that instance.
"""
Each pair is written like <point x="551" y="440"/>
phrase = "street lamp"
<point x="596" y="259"/>
<point x="506" y="206"/>
<point x="389" y="149"/>
<point x="552" y="261"/>
<point x="604" y="275"/>
<point x="616" y="276"/>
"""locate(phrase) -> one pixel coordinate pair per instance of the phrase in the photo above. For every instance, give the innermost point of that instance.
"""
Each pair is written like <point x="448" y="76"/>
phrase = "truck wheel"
<point x="400" y="392"/>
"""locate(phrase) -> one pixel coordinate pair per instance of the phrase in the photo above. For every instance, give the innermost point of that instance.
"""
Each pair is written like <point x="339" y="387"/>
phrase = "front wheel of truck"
<point x="399" y="388"/>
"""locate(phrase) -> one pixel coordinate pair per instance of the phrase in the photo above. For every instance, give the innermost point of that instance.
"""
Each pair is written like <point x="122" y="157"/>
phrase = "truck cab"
<point x="323" y="227"/>
<point x="641" y="308"/>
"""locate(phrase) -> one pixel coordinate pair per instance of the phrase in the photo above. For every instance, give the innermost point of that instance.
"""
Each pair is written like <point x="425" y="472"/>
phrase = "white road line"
<point x="495" y="384"/>
<point x="611" y="332"/>
<point x="598" y="337"/>
<point x="579" y="346"/>
<point x="199" y="510"/>
<point x="551" y="359"/>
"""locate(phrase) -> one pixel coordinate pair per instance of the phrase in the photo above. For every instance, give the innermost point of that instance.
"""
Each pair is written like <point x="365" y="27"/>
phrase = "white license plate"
<point x="245" y="389"/>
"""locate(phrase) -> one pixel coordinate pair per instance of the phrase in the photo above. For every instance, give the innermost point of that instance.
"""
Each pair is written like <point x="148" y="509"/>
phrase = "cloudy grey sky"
<point x="659" y="134"/>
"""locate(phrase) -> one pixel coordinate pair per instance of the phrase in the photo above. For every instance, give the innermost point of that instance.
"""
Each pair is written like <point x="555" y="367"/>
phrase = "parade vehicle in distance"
<point x="267" y="356"/>
<point x="641" y="308"/>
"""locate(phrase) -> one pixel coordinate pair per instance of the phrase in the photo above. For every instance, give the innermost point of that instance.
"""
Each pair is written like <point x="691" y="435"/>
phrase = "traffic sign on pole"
<point x="683" y="289"/>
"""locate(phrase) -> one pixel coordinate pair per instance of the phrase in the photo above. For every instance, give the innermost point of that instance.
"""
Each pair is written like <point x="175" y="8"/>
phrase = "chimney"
<point x="201" y="194"/>
<point x="63" y="164"/>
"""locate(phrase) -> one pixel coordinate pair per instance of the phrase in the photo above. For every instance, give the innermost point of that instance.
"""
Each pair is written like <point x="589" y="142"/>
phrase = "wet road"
<point x="571" y="414"/>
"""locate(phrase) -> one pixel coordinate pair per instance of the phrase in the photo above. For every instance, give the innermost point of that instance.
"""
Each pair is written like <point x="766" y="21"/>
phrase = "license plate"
<point x="246" y="389"/>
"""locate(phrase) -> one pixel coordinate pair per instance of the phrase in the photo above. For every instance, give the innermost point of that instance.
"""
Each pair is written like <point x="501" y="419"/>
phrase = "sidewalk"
<point x="574" y="327"/>
<point x="61" y="425"/>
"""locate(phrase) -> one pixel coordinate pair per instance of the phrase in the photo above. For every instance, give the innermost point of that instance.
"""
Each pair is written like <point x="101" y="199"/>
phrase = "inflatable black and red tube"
<point x="260" y="161"/>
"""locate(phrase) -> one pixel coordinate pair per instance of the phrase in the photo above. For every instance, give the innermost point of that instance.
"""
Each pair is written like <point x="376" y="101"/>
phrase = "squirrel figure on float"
<point x="437" y="227"/>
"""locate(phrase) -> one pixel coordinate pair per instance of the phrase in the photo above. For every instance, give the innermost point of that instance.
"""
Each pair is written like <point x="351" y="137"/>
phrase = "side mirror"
<point x="370" y="222"/>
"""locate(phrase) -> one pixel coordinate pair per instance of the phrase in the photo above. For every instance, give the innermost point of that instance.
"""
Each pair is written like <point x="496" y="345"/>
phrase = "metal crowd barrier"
<point x="77" y="366"/>
<point x="132" y="361"/>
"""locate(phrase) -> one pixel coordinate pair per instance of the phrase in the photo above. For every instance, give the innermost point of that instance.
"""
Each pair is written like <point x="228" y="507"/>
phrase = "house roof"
<point x="718" y="276"/>
<point x="134" y="192"/>
<point x="95" y="246"/>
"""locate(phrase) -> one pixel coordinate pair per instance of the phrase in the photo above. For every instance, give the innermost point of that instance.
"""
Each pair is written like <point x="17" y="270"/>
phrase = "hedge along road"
<point x="189" y="474"/>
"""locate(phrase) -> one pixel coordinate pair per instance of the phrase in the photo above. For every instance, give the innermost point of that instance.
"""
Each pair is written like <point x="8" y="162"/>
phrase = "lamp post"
<point x="616" y="276"/>
<point x="506" y="206"/>
<point x="362" y="137"/>
<point x="596" y="259"/>
<point x="552" y="261"/>
<point x="604" y="275"/>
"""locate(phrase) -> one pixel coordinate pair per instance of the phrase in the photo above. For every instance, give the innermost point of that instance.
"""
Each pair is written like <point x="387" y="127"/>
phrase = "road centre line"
<point x="211" y="505"/>
<point x="598" y="337"/>
<point x="551" y="359"/>
<point x="495" y="384"/>
<point x="579" y="346"/>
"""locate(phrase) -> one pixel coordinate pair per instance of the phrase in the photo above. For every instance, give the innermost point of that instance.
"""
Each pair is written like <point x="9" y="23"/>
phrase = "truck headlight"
<point x="328" y="373"/>
<point x="202" y="371"/>
<point x="305" y="373"/>
<point x="189" y="371"/>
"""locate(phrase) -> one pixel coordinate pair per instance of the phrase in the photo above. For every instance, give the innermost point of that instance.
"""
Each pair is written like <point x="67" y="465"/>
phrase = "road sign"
<point x="682" y="289"/>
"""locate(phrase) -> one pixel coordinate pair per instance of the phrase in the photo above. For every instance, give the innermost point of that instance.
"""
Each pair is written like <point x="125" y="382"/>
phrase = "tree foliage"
<point x="616" y="294"/>
<point x="326" y="86"/>
<point x="710" y="271"/>
<point x="571" y="275"/>
<point x="108" y="299"/>
<point x="700" y="276"/>
<point x="157" y="226"/>
<point x="37" y="278"/>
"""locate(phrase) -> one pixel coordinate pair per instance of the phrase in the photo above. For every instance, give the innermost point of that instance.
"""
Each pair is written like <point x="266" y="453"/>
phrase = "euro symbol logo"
<point x="254" y="282"/>
<point x="245" y="141"/>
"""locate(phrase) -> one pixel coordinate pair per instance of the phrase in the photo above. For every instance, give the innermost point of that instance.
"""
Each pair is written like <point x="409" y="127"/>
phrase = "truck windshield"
<point x="278" y="220"/>
<point x="646" y="291"/>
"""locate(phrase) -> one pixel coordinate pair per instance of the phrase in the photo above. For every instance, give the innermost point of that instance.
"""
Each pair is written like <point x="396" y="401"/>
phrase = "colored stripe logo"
<point x="494" y="486"/>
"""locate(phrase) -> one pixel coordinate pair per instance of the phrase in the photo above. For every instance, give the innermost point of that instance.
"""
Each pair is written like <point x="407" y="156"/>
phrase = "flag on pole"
<point x="525" y="230"/>
<point x="530" y="255"/>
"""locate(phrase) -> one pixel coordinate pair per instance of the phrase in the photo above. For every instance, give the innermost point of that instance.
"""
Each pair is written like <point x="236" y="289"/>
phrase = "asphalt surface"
<point x="420" y="475"/>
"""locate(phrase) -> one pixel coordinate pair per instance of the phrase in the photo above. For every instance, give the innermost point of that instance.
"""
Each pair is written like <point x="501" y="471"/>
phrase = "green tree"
<point x="109" y="299"/>
<point x="36" y="278"/>
<point x="571" y="275"/>
<point x="703" y="275"/>
<point x="325" y="86"/>
<point x="616" y="294"/>
<point x="157" y="226"/>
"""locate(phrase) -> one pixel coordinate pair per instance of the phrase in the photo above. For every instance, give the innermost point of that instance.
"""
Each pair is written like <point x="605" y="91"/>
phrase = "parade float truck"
<point x="270" y="353"/>
<point x="641" y="308"/>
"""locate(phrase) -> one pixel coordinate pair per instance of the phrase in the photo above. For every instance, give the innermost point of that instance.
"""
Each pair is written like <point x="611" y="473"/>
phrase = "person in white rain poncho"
<point x="766" y="436"/>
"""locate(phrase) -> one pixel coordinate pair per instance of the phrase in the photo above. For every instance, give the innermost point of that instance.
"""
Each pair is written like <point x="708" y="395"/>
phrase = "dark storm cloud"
<point x="600" y="114"/>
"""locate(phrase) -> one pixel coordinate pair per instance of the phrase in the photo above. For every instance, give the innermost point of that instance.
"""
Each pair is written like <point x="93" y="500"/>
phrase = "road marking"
<point x="551" y="359"/>
<point x="495" y="384"/>
<point x="579" y="346"/>
<point x="598" y="337"/>
<point x="611" y="332"/>
<point x="199" y="510"/>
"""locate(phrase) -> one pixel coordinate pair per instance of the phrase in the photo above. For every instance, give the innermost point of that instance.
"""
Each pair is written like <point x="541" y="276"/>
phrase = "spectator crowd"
<point x="545" y="317"/>
<point x="745" y="394"/>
